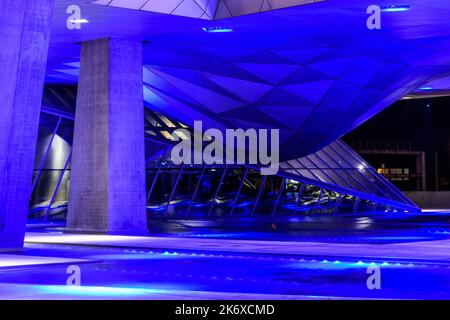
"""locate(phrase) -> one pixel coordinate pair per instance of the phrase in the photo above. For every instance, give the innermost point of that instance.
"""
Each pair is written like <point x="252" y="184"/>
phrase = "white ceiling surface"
<point x="205" y="9"/>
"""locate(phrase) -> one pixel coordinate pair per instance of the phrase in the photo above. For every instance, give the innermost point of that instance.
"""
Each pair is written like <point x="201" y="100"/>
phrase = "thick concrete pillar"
<point x="24" y="34"/>
<point x="107" y="184"/>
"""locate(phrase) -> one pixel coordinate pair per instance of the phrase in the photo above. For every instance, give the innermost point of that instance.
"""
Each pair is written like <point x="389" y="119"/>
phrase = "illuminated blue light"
<point x="217" y="29"/>
<point x="395" y="8"/>
<point x="79" y="21"/>
<point x="426" y="88"/>
<point x="143" y="256"/>
<point x="94" y="291"/>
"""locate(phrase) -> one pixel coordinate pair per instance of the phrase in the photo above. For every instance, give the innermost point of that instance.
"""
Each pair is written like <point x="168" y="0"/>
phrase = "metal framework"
<point x="324" y="181"/>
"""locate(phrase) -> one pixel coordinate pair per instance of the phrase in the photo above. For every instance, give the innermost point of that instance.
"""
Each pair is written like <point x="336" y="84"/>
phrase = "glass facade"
<point x="332" y="180"/>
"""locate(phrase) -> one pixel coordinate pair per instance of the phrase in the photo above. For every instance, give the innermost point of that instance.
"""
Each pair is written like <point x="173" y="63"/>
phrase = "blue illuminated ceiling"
<point x="314" y="71"/>
<point x="205" y="9"/>
<point x="333" y="177"/>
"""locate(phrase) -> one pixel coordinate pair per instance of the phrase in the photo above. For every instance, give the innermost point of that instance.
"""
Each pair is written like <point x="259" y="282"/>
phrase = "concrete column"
<point x="24" y="34"/>
<point x="107" y="185"/>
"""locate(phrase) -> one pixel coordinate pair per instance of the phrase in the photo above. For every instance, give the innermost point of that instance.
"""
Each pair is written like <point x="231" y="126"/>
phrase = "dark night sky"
<point x="424" y="122"/>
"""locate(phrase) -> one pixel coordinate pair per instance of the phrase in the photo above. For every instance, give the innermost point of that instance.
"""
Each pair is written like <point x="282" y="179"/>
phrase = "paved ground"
<point x="10" y="260"/>
<point x="437" y="250"/>
<point x="325" y="258"/>
<point x="52" y="292"/>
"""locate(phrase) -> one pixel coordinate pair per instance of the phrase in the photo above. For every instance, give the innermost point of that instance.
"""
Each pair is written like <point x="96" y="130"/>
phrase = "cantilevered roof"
<point x="314" y="71"/>
<point x="335" y="168"/>
<point x="205" y="9"/>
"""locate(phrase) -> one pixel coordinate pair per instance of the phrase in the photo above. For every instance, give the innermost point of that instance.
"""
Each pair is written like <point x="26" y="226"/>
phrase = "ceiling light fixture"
<point x="79" y="21"/>
<point x="396" y="8"/>
<point x="217" y="29"/>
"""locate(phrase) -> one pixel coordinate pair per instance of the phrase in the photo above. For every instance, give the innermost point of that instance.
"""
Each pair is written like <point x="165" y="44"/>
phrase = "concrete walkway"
<point x="11" y="291"/>
<point x="437" y="251"/>
<point x="14" y="260"/>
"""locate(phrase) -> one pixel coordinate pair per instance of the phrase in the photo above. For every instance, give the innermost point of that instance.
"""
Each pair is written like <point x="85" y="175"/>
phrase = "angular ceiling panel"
<point x="273" y="73"/>
<point x="205" y="9"/>
<point x="289" y="115"/>
<point x="246" y="90"/>
<point x="314" y="71"/>
<point x="310" y="91"/>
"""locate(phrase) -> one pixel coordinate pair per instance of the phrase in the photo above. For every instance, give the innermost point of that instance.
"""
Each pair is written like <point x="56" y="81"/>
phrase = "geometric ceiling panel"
<point x="336" y="167"/>
<point x="310" y="91"/>
<point x="314" y="71"/>
<point x="204" y="9"/>
<point x="273" y="73"/>
<point x="246" y="90"/>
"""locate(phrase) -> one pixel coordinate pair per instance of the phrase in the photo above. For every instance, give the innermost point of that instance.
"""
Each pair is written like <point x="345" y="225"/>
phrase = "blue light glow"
<point x="217" y="29"/>
<point x="395" y="8"/>
<point x="79" y="21"/>
<point x="426" y="88"/>
<point x="94" y="291"/>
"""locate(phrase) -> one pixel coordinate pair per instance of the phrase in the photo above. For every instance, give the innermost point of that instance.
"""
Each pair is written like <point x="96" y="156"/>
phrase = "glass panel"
<point x="306" y="173"/>
<point x="289" y="200"/>
<point x="322" y="176"/>
<point x="164" y="184"/>
<point x="328" y="201"/>
<point x="309" y="199"/>
<point x="228" y="191"/>
<point x="330" y="163"/>
<point x="185" y="189"/>
<point x="59" y="205"/>
<point x="44" y="189"/>
<point x="206" y="191"/>
<point x="336" y="176"/>
<point x="317" y="161"/>
<point x="347" y="203"/>
<point x="338" y="158"/>
<point x="249" y="193"/>
<point x="306" y="163"/>
<point x="269" y="195"/>
<point x="365" y="206"/>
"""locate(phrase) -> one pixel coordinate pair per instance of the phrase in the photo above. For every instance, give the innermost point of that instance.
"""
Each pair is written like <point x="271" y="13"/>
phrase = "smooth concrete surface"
<point x="430" y="199"/>
<point x="15" y="260"/>
<point x="24" y="33"/>
<point x="107" y="187"/>
<point x="12" y="291"/>
<point x="418" y="251"/>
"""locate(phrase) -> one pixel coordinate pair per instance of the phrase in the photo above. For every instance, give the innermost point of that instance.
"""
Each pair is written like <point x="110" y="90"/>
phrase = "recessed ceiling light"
<point x="396" y="8"/>
<point x="217" y="29"/>
<point x="79" y="21"/>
